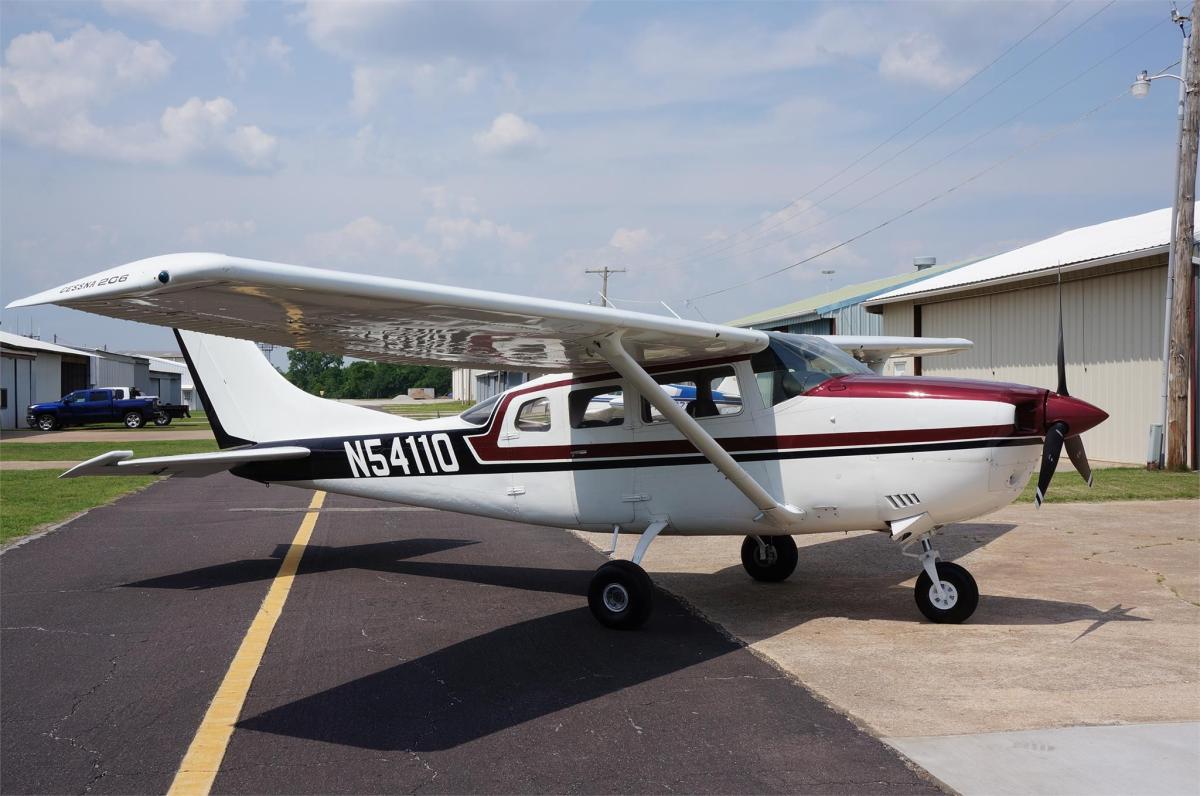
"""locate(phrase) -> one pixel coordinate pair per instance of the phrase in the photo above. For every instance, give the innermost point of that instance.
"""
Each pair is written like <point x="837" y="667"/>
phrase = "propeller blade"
<point x="1079" y="458"/>
<point x="1062" y="357"/>
<point x="1051" y="450"/>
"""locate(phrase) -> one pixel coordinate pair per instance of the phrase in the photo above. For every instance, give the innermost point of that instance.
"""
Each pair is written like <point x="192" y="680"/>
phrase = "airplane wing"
<point x="384" y="319"/>
<point x="191" y="465"/>
<point x="874" y="351"/>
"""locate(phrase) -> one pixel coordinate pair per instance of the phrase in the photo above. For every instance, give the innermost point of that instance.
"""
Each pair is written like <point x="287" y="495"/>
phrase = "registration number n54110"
<point x="419" y="454"/>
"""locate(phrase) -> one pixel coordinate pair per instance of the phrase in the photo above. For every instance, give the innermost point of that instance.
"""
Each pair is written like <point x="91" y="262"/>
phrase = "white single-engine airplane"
<point x="802" y="437"/>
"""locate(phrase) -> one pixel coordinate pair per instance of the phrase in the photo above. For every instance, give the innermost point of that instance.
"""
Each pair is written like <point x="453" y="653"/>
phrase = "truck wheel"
<point x="134" y="420"/>
<point x="46" y="422"/>
<point x="162" y="419"/>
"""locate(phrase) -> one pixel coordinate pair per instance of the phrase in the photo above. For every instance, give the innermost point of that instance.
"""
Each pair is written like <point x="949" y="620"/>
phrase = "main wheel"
<point x="134" y="420"/>
<point x="773" y="561"/>
<point x="621" y="595"/>
<point x="46" y="422"/>
<point x="162" y="419"/>
<point x="961" y="594"/>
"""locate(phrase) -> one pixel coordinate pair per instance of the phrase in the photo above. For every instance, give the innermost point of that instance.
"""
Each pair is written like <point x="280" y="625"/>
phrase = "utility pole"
<point x="604" y="272"/>
<point x="1182" y="347"/>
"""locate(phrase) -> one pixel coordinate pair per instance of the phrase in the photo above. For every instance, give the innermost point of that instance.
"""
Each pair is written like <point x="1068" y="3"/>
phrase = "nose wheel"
<point x="949" y="599"/>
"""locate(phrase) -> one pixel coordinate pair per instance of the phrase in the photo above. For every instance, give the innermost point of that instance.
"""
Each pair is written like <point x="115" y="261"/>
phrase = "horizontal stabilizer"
<point x="874" y="350"/>
<point x="190" y="465"/>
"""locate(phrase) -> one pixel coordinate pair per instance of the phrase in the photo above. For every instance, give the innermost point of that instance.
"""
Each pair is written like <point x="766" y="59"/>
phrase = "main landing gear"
<point x="621" y="594"/>
<point x="769" y="558"/>
<point x="945" y="592"/>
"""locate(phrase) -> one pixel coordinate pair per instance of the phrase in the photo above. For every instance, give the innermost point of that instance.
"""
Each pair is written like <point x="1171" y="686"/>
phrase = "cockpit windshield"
<point x="478" y="414"/>
<point x="795" y="363"/>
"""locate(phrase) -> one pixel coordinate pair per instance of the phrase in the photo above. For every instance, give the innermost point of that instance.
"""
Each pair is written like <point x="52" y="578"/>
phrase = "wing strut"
<point x="778" y="514"/>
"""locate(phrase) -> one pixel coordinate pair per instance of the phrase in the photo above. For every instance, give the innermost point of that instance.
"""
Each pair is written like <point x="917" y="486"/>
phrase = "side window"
<point x="76" y="397"/>
<point x="98" y="395"/>
<point x="597" y="407"/>
<point x="534" y="415"/>
<point x="710" y="392"/>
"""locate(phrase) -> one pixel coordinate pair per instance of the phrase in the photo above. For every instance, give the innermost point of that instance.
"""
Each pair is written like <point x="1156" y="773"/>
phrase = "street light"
<point x="1141" y="85"/>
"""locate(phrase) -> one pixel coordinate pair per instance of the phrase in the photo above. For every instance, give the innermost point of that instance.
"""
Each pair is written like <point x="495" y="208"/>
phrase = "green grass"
<point x="1116" y="483"/>
<point x="81" y="451"/>
<point x="30" y="499"/>
<point x="425" y="412"/>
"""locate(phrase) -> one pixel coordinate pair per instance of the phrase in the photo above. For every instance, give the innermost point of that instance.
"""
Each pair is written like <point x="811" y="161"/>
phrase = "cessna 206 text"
<point x="641" y="424"/>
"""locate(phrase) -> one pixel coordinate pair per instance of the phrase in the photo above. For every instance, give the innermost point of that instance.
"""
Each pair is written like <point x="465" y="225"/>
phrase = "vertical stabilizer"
<point x="249" y="401"/>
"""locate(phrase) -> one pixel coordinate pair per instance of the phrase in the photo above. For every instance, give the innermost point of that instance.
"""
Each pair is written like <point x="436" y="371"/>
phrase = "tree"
<point x="309" y="370"/>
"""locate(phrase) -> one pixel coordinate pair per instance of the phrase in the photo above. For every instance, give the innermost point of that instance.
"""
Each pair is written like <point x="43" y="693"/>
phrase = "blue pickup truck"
<point x="101" y="405"/>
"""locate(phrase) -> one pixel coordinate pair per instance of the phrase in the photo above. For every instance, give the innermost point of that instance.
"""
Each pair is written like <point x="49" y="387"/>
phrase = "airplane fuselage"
<point x="854" y="453"/>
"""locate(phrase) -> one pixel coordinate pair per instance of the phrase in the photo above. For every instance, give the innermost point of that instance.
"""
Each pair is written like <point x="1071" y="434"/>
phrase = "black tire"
<point x="621" y="595"/>
<point x="779" y="561"/>
<point x="162" y="419"/>
<point x="963" y="589"/>
<point x="46" y="422"/>
<point x="134" y="420"/>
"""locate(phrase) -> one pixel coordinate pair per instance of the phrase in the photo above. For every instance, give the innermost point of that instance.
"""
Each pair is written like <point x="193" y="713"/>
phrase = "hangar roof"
<point x="1113" y="241"/>
<point x="836" y="299"/>
<point x="29" y="344"/>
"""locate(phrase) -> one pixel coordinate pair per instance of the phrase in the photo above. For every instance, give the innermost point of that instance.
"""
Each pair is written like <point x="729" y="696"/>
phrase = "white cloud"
<point x="194" y="16"/>
<point x="367" y="240"/>
<point x="920" y="58"/>
<point x="510" y="135"/>
<point x="630" y="240"/>
<point x="454" y="233"/>
<point x="218" y="231"/>
<point x="246" y="54"/>
<point x="48" y="89"/>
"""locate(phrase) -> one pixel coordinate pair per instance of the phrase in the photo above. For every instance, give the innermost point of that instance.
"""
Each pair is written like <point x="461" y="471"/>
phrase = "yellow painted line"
<point x="203" y="759"/>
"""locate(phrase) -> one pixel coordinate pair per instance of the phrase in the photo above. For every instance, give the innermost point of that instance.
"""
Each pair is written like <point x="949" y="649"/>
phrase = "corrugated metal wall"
<point x="111" y="373"/>
<point x="1113" y="329"/>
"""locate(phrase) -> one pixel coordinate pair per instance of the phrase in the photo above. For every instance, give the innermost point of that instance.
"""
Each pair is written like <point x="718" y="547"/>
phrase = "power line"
<point x="961" y="148"/>
<point x="700" y="252"/>
<point x="1052" y="134"/>
<point x="913" y="143"/>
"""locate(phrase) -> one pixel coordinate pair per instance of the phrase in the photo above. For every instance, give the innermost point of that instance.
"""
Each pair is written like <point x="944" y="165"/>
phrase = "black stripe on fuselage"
<point x="328" y="462"/>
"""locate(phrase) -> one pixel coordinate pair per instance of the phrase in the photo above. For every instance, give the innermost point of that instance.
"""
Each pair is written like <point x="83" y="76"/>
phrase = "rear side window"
<point x="98" y="395"/>
<point x="711" y="392"/>
<point x="478" y="414"/>
<point x="597" y="407"/>
<point x="534" y="415"/>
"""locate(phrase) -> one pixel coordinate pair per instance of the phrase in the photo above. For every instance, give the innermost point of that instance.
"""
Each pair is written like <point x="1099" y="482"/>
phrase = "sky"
<point x="513" y="146"/>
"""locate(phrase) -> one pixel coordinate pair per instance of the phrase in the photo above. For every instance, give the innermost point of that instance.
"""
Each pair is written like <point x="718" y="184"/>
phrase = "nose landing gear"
<point x="945" y="592"/>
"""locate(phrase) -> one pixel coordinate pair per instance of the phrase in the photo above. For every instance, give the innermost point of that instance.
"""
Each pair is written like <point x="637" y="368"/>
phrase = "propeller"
<point x="1057" y="429"/>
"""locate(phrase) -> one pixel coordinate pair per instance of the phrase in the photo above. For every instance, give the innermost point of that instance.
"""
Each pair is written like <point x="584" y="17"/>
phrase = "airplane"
<point x="817" y="440"/>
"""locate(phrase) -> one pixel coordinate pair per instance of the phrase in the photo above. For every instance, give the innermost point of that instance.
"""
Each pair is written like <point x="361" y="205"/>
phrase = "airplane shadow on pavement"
<point x="503" y="677"/>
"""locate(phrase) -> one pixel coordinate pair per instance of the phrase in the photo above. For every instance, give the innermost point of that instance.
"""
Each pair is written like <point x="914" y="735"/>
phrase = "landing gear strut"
<point x="769" y="558"/>
<point x="621" y="594"/>
<point x="945" y="592"/>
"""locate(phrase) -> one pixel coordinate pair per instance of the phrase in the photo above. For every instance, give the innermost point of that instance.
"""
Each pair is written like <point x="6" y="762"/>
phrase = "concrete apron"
<point x="1089" y="615"/>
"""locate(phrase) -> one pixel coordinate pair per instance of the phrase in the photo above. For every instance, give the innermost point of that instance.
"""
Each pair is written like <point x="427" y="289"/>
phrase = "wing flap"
<point x="191" y="465"/>
<point x="384" y="319"/>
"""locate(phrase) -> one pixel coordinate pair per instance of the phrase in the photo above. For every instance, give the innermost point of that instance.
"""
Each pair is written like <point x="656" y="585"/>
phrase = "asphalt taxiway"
<point x="416" y="650"/>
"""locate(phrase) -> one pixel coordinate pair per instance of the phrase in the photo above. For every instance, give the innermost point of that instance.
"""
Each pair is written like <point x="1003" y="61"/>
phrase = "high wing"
<point x="192" y="465"/>
<point x="384" y="319"/>
<point x="875" y="351"/>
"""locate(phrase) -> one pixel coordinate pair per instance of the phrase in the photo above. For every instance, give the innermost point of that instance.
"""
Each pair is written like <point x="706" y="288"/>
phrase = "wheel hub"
<point x="616" y="598"/>
<point x="947" y="599"/>
<point x="767" y="555"/>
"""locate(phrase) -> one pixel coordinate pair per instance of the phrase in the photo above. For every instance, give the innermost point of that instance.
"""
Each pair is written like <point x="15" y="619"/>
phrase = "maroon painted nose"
<point x="1078" y="415"/>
